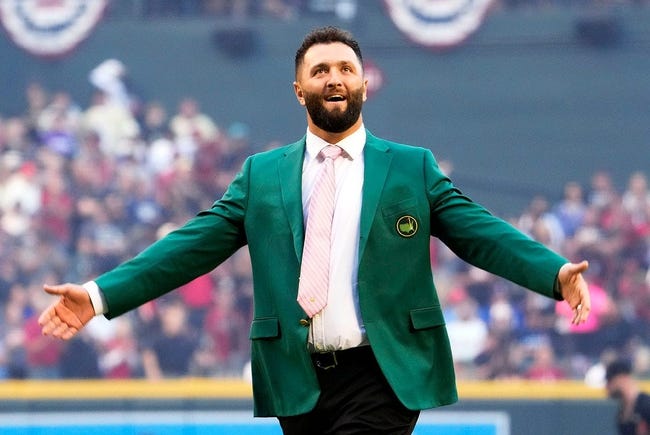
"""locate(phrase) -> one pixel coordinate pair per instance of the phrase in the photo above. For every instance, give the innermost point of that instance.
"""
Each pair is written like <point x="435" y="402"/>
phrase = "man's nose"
<point x="334" y="78"/>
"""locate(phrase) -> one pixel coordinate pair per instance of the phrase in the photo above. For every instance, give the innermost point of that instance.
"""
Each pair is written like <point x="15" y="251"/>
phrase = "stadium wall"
<point x="508" y="407"/>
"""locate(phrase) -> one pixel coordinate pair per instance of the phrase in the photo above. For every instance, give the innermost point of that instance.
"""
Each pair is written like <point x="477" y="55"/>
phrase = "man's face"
<point x="614" y="388"/>
<point x="331" y="86"/>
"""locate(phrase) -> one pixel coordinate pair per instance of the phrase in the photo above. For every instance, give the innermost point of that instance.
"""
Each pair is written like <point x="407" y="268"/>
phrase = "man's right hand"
<point x="64" y="318"/>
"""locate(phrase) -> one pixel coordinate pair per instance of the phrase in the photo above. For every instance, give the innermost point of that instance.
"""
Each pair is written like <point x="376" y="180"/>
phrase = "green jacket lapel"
<point x="290" y="173"/>
<point x="377" y="160"/>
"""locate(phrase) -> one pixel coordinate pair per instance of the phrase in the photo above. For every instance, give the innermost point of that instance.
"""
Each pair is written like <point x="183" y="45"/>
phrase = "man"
<point x="373" y="351"/>
<point x="634" y="411"/>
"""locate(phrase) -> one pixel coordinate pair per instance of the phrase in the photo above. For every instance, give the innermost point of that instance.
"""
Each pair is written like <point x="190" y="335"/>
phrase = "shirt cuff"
<point x="96" y="297"/>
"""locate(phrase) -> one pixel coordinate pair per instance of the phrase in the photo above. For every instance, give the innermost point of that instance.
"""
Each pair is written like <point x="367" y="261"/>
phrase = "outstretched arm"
<point x="574" y="290"/>
<point x="65" y="317"/>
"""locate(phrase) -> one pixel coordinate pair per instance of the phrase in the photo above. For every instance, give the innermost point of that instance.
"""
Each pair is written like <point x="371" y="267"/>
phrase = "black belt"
<point x="341" y="358"/>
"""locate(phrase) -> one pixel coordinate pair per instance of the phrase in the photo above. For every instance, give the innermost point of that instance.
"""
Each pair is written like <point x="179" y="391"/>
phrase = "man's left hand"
<point x="575" y="290"/>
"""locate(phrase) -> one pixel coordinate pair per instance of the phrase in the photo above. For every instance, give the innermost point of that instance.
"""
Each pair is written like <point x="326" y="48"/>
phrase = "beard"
<point x="335" y="120"/>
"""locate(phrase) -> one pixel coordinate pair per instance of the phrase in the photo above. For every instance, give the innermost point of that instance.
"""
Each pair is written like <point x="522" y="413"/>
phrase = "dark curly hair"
<point x="327" y="35"/>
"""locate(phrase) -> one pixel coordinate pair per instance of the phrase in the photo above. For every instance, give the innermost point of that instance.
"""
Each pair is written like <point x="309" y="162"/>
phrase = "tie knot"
<point x="330" y="152"/>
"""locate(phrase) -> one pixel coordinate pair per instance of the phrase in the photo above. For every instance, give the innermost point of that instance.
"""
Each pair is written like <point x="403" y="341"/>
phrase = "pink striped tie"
<point x="314" y="272"/>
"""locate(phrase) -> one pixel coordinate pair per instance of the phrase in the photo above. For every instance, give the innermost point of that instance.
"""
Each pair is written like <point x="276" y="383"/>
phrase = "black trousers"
<point x="355" y="399"/>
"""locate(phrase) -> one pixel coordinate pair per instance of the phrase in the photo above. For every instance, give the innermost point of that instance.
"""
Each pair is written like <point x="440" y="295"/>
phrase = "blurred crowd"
<point x="84" y="188"/>
<point x="499" y="331"/>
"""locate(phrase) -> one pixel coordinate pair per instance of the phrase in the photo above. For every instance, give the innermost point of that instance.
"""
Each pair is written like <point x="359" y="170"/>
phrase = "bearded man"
<point x="348" y="335"/>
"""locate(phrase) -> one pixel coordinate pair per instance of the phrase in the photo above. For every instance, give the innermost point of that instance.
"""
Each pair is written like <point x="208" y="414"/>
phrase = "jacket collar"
<point x="377" y="158"/>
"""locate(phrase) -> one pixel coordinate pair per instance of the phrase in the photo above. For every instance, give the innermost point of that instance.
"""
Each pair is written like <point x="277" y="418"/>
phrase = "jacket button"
<point x="304" y="322"/>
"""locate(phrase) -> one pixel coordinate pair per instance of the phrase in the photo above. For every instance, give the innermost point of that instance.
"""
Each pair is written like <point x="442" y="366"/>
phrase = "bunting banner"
<point x="50" y="28"/>
<point x="438" y="24"/>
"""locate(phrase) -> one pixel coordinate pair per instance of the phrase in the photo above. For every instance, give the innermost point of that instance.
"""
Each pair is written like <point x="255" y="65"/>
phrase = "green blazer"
<point x="406" y="200"/>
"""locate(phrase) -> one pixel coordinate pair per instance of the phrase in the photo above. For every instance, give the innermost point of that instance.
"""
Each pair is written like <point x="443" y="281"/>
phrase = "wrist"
<point x="96" y="297"/>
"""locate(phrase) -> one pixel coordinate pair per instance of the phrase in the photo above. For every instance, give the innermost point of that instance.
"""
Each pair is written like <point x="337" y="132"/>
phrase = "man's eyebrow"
<point x="319" y="66"/>
<point x="329" y="64"/>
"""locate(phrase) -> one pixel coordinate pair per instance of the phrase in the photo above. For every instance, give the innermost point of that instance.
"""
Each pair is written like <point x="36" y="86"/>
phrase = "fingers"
<point x="64" y="332"/>
<point x="53" y="324"/>
<point x="58" y="320"/>
<point x="580" y="314"/>
<point x="57" y="290"/>
<point x="60" y="330"/>
<point x="46" y="315"/>
<point x="49" y="321"/>
<point x="583" y="306"/>
<point x="67" y="316"/>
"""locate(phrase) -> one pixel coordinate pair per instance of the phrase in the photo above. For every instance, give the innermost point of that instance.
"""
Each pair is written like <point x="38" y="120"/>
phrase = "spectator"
<point x="467" y="334"/>
<point x="222" y="330"/>
<point x="154" y="124"/>
<point x="57" y="207"/>
<point x="13" y="337"/>
<point x="636" y="202"/>
<point x="75" y="365"/>
<point x="108" y="78"/>
<point x="61" y="113"/>
<point x="589" y="338"/>
<point x="115" y="126"/>
<point x="570" y="211"/>
<point x="36" y="98"/>
<point x="170" y="354"/>
<point x="634" y="405"/>
<point x="190" y="127"/>
<point x="501" y="358"/>
<point x="42" y="355"/>
<point x="542" y="225"/>
<point x="633" y="292"/>
<point x="119" y="356"/>
<point x="602" y="191"/>
<point x="543" y="366"/>
<point x="16" y="142"/>
<point x="197" y="297"/>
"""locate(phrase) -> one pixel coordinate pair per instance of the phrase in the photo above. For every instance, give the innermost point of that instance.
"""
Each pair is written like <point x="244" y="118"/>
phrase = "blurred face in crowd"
<point x="331" y="86"/>
<point x="616" y="386"/>
<point x="188" y="108"/>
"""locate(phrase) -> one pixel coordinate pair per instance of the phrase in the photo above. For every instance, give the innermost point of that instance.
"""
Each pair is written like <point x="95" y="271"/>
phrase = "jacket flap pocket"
<point x="400" y="207"/>
<point x="265" y="328"/>
<point x="423" y="318"/>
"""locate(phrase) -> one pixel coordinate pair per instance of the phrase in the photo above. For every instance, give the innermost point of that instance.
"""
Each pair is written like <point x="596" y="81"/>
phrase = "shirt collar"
<point x="352" y="145"/>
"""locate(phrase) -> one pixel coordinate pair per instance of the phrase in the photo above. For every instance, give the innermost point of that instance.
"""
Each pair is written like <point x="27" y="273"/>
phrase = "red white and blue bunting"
<point x="438" y="24"/>
<point x="50" y="28"/>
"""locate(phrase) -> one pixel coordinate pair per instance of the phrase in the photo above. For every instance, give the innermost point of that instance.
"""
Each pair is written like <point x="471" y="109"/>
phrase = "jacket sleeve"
<point x="199" y="246"/>
<point x="484" y="240"/>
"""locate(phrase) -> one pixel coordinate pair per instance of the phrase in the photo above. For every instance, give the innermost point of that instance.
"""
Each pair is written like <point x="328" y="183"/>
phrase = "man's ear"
<point x="365" y="89"/>
<point x="299" y="94"/>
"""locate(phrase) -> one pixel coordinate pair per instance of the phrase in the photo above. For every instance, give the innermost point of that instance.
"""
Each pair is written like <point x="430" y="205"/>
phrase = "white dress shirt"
<point x="339" y="325"/>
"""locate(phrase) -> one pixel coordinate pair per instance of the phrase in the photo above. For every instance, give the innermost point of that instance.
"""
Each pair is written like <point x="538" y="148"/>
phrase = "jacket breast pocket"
<point x="426" y="318"/>
<point x="265" y="328"/>
<point x="402" y="217"/>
